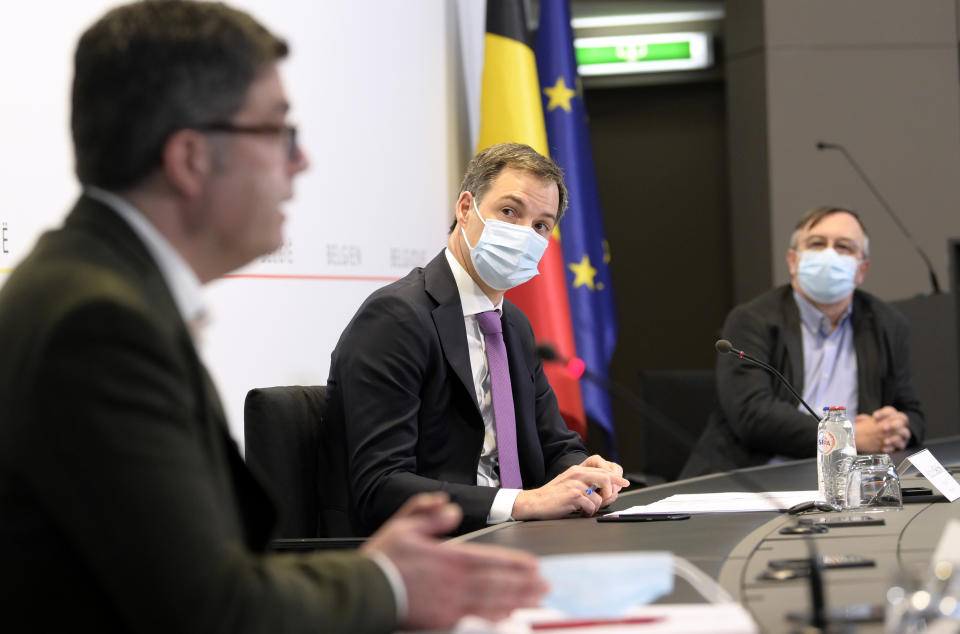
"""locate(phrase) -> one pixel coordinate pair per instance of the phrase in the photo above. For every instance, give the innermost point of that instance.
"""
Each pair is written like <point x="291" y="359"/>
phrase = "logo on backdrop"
<point x="406" y="258"/>
<point x="348" y="255"/>
<point x="4" y="240"/>
<point x="283" y="255"/>
<point x="344" y="255"/>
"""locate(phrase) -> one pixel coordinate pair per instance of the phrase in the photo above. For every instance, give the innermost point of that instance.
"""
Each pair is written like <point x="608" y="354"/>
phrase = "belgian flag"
<point x="511" y="111"/>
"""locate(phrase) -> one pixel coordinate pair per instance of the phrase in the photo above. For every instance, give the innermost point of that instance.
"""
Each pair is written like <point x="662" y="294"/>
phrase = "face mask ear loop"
<point x="477" y="209"/>
<point x="484" y="222"/>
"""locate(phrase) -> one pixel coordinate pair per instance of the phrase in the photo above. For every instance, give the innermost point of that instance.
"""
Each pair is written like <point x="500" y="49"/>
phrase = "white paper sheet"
<point x="675" y="618"/>
<point x="729" y="502"/>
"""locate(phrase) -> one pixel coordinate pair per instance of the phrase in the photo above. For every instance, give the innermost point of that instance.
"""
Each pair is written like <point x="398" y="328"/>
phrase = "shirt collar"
<point x="813" y="319"/>
<point x="472" y="298"/>
<point x="183" y="283"/>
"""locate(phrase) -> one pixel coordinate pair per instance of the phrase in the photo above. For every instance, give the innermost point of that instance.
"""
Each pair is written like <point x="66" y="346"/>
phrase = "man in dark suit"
<point x="411" y="397"/>
<point x="124" y="504"/>
<point x="835" y="344"/>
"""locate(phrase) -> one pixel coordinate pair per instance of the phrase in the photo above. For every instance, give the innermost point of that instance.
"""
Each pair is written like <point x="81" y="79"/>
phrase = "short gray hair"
<point x="813" y="217"/>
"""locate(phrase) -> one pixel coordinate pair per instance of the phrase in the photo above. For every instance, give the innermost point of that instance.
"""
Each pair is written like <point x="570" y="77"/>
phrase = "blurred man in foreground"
<point x="835" y="344"/>
<point x="125" y="505"/>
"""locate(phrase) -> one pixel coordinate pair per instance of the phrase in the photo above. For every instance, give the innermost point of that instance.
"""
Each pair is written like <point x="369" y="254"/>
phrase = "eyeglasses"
<point x="287" y="131"/>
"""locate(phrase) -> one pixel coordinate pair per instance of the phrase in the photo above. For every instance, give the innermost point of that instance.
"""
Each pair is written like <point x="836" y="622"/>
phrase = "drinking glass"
<point x="872" y="483"/>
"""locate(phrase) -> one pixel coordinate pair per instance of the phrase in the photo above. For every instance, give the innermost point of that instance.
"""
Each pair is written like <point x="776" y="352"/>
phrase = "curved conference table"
<point x="734" y="548"/>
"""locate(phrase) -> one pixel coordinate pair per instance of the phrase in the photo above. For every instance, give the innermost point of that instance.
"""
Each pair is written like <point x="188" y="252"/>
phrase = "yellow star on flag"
<point x="560" y="95"/>
<point x="584" y="273"/>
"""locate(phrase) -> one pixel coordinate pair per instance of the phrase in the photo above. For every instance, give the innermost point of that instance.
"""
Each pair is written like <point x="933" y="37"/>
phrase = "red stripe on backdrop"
<point x="337" y="278"/>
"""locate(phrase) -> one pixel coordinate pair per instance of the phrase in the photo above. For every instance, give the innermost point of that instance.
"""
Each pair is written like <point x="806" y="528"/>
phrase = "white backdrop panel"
<point x="377" y="93"/>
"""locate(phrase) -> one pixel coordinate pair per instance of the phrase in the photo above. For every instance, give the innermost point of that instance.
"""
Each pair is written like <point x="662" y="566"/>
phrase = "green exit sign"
<point x="659" y="52"/>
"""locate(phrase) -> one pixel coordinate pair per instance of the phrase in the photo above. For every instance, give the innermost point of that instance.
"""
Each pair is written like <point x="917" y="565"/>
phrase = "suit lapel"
<point x="793" y="342"/>
<point x="448" y="319"/>
<point x="869" y="395"/>
<point x="251" y="501"/>
<point x="92" y="217"/>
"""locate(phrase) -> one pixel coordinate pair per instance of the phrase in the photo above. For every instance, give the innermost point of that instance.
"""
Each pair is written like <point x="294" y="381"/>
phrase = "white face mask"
<point x="826" y="276"/>
<point x="506" y="255"/>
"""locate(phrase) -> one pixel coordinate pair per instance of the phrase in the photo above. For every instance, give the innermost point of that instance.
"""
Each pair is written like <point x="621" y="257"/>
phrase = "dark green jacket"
<point x="758" y="417"/>
<point x="124" y="504"/>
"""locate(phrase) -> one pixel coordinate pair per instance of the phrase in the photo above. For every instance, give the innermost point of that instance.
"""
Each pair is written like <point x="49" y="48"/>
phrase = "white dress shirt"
<point x="474" y="301"/>
<point x="829" y="358"/>
<point x="183" y="283"/>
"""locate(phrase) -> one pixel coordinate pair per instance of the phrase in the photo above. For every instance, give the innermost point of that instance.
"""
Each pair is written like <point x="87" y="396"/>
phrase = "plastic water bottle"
<point x="835" y="441"/>
<point x="820" y="438"/>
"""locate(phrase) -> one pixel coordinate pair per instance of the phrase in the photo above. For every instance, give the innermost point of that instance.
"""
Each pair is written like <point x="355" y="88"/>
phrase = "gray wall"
<point x="701" y="183"/>
<point x="881" y="78"/>
<point x="878" y="76"/>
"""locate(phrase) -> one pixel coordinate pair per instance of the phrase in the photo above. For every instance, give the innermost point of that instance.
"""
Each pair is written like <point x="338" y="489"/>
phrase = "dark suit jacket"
<point x="124" y="504"/>
<point x="758" y="417"/>
<point x="402" y="410"/>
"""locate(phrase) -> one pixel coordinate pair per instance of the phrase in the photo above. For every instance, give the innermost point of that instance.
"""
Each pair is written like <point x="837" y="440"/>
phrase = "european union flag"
<point x="585" y="251"/>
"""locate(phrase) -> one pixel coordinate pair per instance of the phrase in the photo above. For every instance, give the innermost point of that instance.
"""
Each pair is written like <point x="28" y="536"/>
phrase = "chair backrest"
<point x="282" y="434"/>
<point x="685" y="398"/>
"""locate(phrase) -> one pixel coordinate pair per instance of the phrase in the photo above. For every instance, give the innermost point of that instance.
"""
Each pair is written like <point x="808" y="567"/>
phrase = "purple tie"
<point x="502" y="394"/>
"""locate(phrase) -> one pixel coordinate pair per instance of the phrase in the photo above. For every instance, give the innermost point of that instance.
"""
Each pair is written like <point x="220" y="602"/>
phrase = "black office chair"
<point x="281" y="428"/>
<point x="682" y="399"/>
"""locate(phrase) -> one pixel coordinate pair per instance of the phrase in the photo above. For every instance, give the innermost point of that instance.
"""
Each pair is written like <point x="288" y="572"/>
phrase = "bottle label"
<point x="826" y="442"/>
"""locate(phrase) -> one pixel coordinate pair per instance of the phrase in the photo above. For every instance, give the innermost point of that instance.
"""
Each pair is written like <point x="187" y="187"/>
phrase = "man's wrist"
<point x="502" y="508"/>
<point x="395" y="579"/>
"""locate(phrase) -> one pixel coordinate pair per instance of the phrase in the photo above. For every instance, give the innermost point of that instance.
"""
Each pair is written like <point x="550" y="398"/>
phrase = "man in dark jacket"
<point x="835" y="344"/>
<point x="412" y="395"/>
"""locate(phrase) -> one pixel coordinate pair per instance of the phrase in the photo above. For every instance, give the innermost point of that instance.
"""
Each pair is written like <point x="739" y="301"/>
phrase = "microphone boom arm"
<point x="883" y="202"/>
<point x="724" y="346"/>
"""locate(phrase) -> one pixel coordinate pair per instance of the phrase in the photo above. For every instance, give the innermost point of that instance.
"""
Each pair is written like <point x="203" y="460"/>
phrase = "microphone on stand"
<point x="724" y="346"/>
<point x="577" y="369"/>
<point x="817" y="604"/>
<point x="821" y="145"/>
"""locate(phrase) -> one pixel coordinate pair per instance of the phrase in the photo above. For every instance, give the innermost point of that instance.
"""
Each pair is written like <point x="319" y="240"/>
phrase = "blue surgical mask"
<point x="826" y="276"/>
<point x="506" y="255"/>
